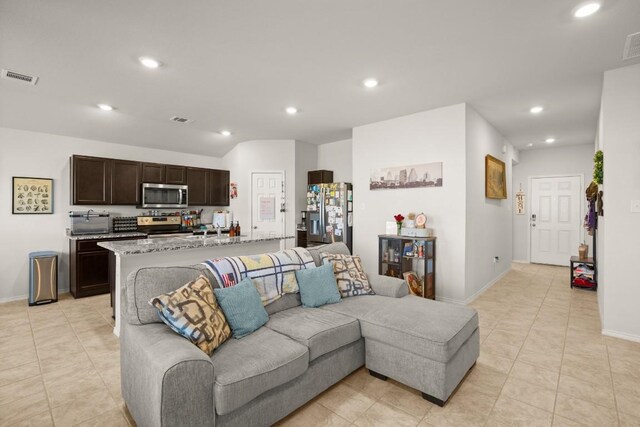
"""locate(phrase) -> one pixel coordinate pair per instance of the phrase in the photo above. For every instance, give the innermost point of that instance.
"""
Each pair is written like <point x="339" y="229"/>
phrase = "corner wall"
<point x="262" y="156"/>
<point x="620" y="139"/>
<point x="488" y="221"/>
<point x="35" y="154"/>
<point x="431" y="136"/>
<point x="337" y="157"/>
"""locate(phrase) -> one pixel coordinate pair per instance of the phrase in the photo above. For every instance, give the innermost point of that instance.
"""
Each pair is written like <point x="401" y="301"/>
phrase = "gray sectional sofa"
<point x="300" y="352"/>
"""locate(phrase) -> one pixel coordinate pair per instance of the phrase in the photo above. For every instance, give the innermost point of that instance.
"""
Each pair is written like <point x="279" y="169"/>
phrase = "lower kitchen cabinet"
<point x="89" y="267"/>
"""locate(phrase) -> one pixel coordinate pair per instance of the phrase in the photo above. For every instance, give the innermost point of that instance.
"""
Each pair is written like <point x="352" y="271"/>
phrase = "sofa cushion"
<point x="351" y="278"/>
<point x="246" y="368"/>
<point x="148" y="282"/>
<point x="358" y="307"/>
<point x="318" y="286"/>
<point x="322" y="331"/>
<point x="428" y="328"/>
<point x="242" y="307"/>
<point x="331" y="248"/>
<point x="193" y="312"/>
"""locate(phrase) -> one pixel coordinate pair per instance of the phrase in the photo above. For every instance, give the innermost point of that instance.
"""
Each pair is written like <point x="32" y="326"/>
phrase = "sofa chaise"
<point x="296" y="355"/>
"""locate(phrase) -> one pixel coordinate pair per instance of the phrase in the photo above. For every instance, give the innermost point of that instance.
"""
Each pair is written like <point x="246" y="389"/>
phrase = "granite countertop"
<point x="103" y="236"/>
<point x="145" y="246"/>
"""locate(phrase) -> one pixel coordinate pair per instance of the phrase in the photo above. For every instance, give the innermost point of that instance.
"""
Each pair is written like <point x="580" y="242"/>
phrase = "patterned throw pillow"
<point x="193" y="312"/>
<point x="350" y="275"/>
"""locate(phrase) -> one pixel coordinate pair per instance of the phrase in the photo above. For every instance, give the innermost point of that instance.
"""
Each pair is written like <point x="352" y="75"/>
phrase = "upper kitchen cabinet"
<point x="319" y="177"/>
<point x="125" y="182"/>
<point x="90" y="180"/>
<point x="199" y="182"/>
<point x="153" y="173"/>
<point x="219" y="187"/>
<point x="175" y="175"/>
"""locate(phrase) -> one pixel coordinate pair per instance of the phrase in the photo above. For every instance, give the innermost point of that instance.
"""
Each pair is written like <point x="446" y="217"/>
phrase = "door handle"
<point x="255" y="227"/>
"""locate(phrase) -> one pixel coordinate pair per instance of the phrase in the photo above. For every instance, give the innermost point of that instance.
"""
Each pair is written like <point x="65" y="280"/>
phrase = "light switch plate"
<point x="635" y="206"/>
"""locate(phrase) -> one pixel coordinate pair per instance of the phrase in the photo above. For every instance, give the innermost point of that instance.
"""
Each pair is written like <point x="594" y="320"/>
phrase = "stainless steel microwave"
<point x="164" y="196"/>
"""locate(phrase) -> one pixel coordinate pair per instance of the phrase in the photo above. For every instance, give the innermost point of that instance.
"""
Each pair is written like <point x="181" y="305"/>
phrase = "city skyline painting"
<point x="410" y="176"/>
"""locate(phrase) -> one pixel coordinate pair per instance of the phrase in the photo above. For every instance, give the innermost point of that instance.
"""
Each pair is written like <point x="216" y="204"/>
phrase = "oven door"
<point x="164" y="196"/>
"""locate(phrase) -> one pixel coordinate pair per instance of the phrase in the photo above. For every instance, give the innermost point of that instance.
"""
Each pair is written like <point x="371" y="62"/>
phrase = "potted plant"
<point x="399" y="218"/>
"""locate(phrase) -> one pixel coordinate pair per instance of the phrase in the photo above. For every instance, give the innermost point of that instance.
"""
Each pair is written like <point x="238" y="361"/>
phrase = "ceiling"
<point x="237" y="64"/>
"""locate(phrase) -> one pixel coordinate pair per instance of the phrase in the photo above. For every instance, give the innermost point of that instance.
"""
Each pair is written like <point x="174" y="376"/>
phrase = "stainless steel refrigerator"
<point x="330" y="214"/>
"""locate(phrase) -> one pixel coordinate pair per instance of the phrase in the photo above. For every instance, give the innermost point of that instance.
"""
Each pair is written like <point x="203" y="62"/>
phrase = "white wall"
<point x="34" y="154"/>
<point x="620" y="136"/>
<point x="488" y="221"/>
<point x="432" y="136"/>
<point x="306" y="160"/>
<point x="262" y="156"/>
<point x="575" y="159"/>
<point x="337" y="157"/>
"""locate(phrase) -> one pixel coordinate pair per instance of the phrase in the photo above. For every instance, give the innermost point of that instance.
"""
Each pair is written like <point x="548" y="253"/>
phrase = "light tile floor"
<point x="543" y="362"/>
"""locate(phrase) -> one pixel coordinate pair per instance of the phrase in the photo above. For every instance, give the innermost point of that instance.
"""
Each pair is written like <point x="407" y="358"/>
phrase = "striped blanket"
<point x="273" y="274"/>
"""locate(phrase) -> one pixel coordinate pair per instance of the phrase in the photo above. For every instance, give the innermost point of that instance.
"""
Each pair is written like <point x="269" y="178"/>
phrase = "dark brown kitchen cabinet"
<point x="199" y="182"/>
<point x="90" y="180"/>
<point x="125" y="182"/>
<point x="89" y="267"/>
<point x="153" y="173"/>
<point x="219" y="187"/>
<point x="175" y="175"/>
<point x="319" y="177"/>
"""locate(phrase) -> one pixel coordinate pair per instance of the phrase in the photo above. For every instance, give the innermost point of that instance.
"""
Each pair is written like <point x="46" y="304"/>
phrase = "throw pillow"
<point x="192" y="311"/>
<point x="350" y="275"/>
<point x="242" y="307"/>
<point x="318" y="286"/>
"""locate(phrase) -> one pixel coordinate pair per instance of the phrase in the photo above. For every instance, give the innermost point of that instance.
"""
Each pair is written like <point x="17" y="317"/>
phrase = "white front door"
<point x="267" y="196"/>
<point x="556" y="219"/>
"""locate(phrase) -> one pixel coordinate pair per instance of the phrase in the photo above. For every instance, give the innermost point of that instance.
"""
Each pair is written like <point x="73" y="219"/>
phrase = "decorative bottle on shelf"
<point x="238" y="228"/>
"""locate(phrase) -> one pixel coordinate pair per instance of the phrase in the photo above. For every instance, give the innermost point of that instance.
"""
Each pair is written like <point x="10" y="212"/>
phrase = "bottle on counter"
<point x="238" y="228"/>
<point x="232" y="231"/>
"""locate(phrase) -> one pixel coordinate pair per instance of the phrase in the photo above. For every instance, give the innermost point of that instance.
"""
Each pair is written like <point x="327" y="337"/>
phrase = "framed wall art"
<point x="410" y="176"/>
<point x="495" y="178"/>
<point x="32" y="195"/>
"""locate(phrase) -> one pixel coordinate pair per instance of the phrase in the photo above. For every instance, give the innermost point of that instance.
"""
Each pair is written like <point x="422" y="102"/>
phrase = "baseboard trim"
<point x="621" y="335"/>
<point x="26" y="296"/>
<point x="476" y="295"/>
<point x="520" y="261"/>
<point x="485" y="288"/>
<point x="16" y="298"/>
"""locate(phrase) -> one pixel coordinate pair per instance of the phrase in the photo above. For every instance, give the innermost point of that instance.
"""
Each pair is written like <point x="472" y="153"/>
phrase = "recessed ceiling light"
<point x="105" y="107"/>
<point x="149" y="62"/>
<point x="291" y="110"/>
<point x="530" y="144"/>
<point x="550" y="140"/>
<point x="536" y="110"/>
<point x="370" y="83"/>
<point x="586" y="9"/>
<point x="225" y="133"/>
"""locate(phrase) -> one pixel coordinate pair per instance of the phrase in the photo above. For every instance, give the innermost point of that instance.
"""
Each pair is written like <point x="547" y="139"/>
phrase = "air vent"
<point x="632" y="47"/>
<point x="24" y="78"/>
<point x="180" y="119"/>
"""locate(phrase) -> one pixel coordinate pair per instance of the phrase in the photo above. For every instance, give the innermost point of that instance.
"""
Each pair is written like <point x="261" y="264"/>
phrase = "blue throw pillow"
<point x="318" y="286"/>
<point x="242" y="307"/>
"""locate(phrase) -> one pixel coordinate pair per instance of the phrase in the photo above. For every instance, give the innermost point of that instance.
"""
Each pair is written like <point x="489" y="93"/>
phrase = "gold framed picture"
<point x="495" y="178"/>
<point x="32" y="195"/>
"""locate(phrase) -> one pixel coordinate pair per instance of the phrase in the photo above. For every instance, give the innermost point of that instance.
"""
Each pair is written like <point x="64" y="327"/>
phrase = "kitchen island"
<point x="130" y="255"/>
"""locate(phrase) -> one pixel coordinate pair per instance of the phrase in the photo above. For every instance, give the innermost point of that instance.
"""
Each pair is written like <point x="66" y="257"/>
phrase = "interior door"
<point x="267" y="190"/>
<point x="555" y="219"/>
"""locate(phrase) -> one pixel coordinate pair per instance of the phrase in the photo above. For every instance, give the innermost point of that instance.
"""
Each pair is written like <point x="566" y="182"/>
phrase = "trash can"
<point x="43" y="277"/>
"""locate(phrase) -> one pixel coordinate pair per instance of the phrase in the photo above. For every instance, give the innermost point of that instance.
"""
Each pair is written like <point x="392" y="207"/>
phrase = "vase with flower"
<point x="399" y="218"/>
